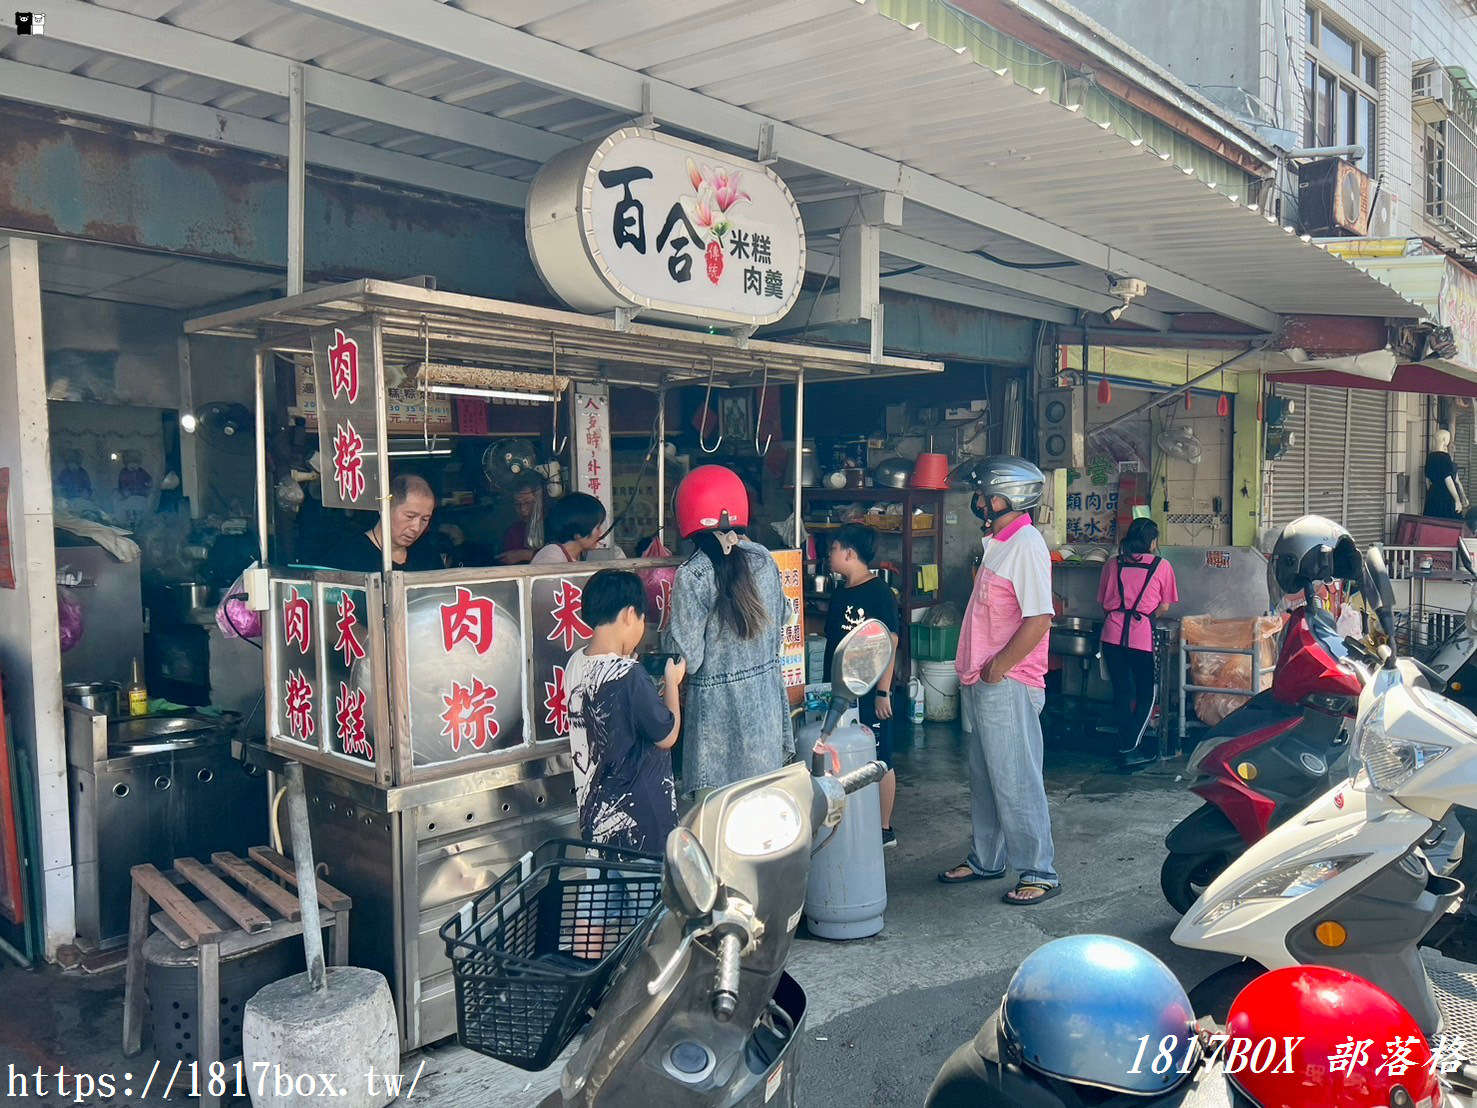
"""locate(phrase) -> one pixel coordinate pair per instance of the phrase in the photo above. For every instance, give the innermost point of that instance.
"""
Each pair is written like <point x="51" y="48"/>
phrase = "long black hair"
<point x="1140" y="539"/>
<point x="739" y="606"/>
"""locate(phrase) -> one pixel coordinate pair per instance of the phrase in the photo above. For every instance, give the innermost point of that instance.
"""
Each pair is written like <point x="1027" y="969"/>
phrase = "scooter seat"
<point x="1260" y="711"/>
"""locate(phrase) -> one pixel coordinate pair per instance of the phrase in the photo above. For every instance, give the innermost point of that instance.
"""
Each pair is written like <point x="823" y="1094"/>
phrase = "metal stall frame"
<point x="409" y="842"/>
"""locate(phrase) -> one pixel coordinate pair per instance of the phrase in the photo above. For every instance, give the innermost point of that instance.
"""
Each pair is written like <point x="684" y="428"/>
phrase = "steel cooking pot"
<point x="1077" y="644"/>
<point x="893" y="473"/>
<point x="1074" y="623"/>
<point x="95" y="696"/>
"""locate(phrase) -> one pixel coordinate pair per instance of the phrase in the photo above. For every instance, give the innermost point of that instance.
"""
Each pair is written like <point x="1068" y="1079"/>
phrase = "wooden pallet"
<point x="231" y="907"/>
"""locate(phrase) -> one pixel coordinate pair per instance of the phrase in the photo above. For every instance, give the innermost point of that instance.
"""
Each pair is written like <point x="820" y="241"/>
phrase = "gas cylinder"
<point x="847" y="893"/>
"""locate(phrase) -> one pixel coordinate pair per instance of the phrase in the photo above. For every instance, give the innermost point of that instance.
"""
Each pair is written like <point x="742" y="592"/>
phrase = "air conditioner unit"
<point x="1431" y="94"/>
<point x="1333" y="198"/>
<point x="1384" y="219"/>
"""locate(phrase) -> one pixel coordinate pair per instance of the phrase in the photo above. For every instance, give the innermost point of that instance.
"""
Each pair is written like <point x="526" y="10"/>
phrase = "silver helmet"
<point x="1015" y="479"/>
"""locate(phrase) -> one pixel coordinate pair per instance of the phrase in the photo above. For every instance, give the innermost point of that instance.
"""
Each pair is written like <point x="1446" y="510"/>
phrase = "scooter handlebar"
<point x="725" y="991"/>
<point x="869" y="774"/>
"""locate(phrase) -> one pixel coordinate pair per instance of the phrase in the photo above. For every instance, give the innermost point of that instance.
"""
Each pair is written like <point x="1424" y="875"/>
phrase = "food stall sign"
<point x="346" y="370"/>
<point x="642" y="220"/>
<point x="559" y="629"/>
<point x="590" y="442"/>
<point x="405" y="409"/>
<point x="465" y="656"/>
<point x="348" y="703"/>
<point x="792" y="644"/>
<point x="296" y="689"/>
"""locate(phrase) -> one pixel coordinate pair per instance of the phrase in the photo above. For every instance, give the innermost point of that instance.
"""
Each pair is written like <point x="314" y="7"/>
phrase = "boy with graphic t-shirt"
<point x="621" y="730"/>
<point x="866" y="596"/>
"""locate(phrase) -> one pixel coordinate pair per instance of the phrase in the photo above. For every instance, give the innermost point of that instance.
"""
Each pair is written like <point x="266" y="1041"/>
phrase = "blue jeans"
<point x="1007" y="794"/>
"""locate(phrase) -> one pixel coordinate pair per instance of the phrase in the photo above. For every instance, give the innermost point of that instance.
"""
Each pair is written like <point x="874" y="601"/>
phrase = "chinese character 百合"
<point x="679" y="265"/>
<point x="630" y="217"/>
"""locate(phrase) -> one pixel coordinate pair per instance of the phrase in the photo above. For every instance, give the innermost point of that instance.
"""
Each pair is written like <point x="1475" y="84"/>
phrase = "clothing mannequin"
<point x="1444" y="496"/>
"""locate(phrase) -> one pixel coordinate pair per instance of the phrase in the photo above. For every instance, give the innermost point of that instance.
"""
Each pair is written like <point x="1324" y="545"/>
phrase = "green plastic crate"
<point x="934" y="644"/>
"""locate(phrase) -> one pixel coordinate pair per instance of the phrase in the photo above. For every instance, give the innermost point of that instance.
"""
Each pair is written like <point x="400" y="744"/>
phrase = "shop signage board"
<point x="643" y="220"/>
<point x="792" y="644"/>
<point x="404" y="411"/>
<point x="351" y="442"/>
<point x="465" y="654"/>
<point x="296" y="693"/>
<point x="559" y="629"/>
<point x="1458" y="310"/>
<point x="348" y="686"/>
<point x="589" y="439"/>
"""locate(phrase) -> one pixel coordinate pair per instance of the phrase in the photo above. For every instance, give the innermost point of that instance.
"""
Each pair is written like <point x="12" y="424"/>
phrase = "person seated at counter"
<point x="573" y="529"/>
<point x="412" y="503"/>
<point x="526" y="535"/>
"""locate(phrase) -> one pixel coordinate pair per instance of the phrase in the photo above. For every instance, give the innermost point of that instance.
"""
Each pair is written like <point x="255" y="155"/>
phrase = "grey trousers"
<point x="1007" y="794"/>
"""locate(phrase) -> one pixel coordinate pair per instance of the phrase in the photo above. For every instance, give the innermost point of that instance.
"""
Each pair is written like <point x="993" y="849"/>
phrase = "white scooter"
<point x="1346" y="883"/>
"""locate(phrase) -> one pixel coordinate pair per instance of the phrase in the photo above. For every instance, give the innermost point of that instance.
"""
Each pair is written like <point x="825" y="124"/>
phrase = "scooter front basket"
<point x="534" y="953"/>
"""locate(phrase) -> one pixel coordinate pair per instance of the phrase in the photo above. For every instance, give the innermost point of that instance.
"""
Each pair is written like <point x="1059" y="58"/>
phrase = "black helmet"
<point x="1311" y="549"/>
<point x="1015" y="479"/>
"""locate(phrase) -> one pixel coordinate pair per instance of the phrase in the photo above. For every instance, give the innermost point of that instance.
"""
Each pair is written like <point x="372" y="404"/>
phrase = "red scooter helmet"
<point x="1359" y="1047"/>
<point x="711" y="498"/>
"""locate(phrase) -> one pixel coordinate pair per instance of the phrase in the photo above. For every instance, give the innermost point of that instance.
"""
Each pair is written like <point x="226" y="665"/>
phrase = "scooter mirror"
<point x="1465" y="558"/>
<point x="861" y="659"/>
<point x="1377" y="588"/>
<point x="689" y="886"/>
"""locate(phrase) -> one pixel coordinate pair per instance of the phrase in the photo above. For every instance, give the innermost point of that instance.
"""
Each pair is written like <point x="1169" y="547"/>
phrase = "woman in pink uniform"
<point x="1136" y="587"/>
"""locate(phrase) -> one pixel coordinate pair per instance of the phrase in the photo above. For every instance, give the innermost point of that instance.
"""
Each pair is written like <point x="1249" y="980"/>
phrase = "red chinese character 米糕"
<point x="557" y="703"/>
<point x="467" y="619"/>
<point x="568" y="624"/>
<point x="349" y="719"/>
<point x="343" y="366"/>
<point x="469" y="715"/>
<point x="297" y="621"/>
<point x="348" y="462"/>
<point x="348" y="642"/>
<point x="299" y="704"/>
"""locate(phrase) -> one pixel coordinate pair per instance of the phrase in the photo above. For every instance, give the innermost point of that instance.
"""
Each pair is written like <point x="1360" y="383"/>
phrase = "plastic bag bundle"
<point x="1228" y="671"/>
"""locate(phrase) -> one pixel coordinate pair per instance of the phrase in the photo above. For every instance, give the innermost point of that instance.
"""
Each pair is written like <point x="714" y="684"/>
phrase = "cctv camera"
<point x="1112" y="315"/>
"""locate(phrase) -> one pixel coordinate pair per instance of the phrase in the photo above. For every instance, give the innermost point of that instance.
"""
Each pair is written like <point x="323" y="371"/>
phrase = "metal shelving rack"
<point x="932" y="501"/>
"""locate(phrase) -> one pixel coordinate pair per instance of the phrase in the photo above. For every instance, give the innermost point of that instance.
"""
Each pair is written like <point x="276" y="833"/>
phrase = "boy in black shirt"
<point x="864" y="596"/>
<point x="621" y="730"/>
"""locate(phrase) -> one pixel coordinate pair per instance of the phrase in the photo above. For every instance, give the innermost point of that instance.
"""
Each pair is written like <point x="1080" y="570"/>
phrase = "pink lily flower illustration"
<point x="705" y="213"/>
<point x="723" y="183"/>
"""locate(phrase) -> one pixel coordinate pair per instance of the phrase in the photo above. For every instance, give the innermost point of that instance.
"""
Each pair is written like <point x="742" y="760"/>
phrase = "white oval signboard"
<point x="682" y="232"/>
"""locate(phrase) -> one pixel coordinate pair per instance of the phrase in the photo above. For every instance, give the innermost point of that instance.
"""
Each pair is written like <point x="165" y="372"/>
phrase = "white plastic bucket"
<point x="940" y="691"/>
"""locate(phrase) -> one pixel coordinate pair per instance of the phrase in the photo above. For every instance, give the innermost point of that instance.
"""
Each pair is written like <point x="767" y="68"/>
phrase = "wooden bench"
<point x="226" y="909"/>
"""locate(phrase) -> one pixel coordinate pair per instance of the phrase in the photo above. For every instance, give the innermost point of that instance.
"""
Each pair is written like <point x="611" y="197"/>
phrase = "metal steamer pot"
<point x="95" y="696"/>
<point x="1074" y="636"/>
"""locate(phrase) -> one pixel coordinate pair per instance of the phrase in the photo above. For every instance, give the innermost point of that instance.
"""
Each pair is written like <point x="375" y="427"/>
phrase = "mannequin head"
<point x="1442" y="440"/>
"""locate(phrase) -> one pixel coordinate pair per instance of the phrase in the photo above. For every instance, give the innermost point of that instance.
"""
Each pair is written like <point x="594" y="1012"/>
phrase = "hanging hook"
<point x="759" y="415"/>
<point x="702" y="437"/>
<point x="558" y="446"/>
<point x="425" y="381"/>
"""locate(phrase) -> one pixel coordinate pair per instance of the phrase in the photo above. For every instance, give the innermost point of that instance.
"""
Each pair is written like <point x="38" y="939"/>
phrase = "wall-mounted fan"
<point x="1180" y="442"/>
<point x="228" y="428"/>
<point x="507" y="461"/>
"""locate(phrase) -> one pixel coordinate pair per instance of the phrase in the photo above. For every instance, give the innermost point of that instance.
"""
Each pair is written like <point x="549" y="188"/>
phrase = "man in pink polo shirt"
<point x="1002" y="674"/>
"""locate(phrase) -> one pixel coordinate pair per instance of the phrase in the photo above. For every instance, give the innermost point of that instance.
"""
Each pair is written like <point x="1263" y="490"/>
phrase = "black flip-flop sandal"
<point x="947" y="880"/>
<point x="1047" y="892"/>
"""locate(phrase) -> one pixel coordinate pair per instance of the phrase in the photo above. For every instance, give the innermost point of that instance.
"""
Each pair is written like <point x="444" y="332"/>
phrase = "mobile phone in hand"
<point x="655" y="664"/>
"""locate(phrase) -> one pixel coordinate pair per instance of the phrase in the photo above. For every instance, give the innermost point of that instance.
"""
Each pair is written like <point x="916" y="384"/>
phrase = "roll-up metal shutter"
<point x="1337" y="468"/>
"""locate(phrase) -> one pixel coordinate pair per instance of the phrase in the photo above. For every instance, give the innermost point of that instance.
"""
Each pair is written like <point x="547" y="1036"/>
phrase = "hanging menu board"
<point x="350" y="439"/>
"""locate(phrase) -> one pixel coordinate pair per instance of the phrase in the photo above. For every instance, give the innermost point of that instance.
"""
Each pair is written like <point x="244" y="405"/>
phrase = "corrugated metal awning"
<point x="471" y="97"/>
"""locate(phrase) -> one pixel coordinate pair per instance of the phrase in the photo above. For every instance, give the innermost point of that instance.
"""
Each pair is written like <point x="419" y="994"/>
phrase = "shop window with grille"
<point x="1337" y="465"/>
<point x="1451" y="172"/>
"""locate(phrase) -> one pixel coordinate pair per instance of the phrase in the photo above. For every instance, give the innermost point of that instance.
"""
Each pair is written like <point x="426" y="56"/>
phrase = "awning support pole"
<point x="661" y="462"/>
<point x="1173" y="391"/>
<point x="261" y="452"/>
<point x="799" y="445"/>
<point x="297" y="152"/>
<point x="382" y="447"/>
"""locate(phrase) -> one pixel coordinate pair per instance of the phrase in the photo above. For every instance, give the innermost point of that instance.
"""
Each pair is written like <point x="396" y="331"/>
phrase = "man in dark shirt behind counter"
<point x="412" y="504"/>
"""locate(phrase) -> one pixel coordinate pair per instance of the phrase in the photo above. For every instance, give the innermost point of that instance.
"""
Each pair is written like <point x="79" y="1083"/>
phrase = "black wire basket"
<point x="533" y="955"/>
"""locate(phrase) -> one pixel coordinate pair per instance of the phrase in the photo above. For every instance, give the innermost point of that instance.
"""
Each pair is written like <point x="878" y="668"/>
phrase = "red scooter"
<point x="1268" y="759"/>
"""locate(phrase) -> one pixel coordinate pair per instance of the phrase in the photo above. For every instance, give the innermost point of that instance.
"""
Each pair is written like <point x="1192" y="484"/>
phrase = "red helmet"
<point x="1360" y="1048"/>
<point x="711" y="498"/>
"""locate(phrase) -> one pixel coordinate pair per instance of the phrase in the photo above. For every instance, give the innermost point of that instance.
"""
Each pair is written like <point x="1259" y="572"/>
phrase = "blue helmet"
<point x="1081" y="1009"/>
